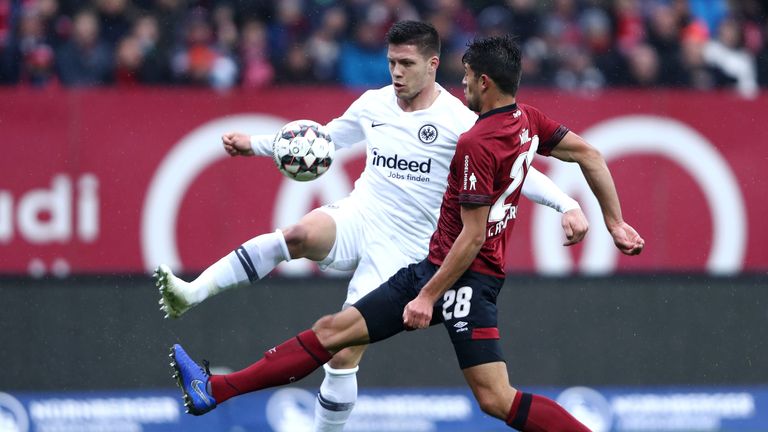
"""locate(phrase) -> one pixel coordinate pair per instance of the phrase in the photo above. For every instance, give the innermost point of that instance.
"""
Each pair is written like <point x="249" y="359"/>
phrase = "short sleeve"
<point x="476" y="169"/>
<point x="549" y="131"/>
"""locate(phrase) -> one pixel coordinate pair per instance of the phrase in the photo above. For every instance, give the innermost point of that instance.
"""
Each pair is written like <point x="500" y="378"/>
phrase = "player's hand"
<point x="418" y="313"/>
<point x="575" y="226"/>
<point x="627" y="239"/>
<point x="237" y="144"/>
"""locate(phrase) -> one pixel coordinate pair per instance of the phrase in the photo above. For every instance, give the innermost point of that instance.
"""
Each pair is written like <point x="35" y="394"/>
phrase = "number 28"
<point x="460" y="300"/>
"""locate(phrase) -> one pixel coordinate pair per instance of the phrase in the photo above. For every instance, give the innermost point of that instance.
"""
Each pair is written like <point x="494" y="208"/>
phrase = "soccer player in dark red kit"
<point x="459" y="281"/>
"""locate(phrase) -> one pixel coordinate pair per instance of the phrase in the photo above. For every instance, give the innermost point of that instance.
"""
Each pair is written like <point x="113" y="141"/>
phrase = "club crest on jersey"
<point x="428" y="134"/>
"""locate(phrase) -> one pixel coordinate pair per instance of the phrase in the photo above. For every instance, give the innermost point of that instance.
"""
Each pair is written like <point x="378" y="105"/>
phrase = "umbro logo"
<point x="461" y="326"/>
<point x="374" y="124"/>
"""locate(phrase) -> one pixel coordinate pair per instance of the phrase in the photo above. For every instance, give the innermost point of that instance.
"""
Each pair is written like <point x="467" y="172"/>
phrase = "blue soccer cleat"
<point x="193" y="381"/>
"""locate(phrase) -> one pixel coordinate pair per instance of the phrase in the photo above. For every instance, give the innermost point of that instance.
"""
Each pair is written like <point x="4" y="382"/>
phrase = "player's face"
<point x="411" y="72"/>
<point x="471" y="85"/>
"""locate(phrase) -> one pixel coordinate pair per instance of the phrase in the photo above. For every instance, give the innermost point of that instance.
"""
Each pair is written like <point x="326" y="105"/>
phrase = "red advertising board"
<point x="97" y="181"/>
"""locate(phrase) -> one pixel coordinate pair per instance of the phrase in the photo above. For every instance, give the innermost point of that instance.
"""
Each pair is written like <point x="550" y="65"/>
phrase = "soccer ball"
<point x="303" y="150"/>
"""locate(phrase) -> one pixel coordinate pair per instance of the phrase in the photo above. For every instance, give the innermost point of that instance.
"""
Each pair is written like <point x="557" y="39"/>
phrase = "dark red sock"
<point x="291" y="361"/>
<point x="534" y="413"/>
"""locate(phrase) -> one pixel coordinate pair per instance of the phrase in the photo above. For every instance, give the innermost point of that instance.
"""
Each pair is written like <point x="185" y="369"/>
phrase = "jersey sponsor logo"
<point x="472" y="182"/>
<point x="428" y="134"/>
<point x="466" y="172"/>
<point x="399" y="163"/>
<point x="374" y="124"/>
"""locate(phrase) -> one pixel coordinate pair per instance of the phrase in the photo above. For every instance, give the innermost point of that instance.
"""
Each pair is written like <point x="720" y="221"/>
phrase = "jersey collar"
<point x="498" y="110"/>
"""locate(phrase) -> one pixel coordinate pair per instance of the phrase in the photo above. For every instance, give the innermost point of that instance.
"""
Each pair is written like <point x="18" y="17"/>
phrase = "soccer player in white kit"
<point x="410" y="129"/>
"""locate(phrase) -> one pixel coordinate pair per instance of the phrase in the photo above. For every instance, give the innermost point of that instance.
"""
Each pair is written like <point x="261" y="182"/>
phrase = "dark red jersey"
<point x="488" y="169"/>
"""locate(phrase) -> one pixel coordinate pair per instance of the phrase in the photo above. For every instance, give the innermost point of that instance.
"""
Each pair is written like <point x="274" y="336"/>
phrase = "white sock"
<point x="337" y="397"/>
<point x="250" y="262"/>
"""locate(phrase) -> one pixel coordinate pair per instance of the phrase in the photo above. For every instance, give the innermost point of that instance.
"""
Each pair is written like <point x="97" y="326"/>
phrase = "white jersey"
<point x="407" y="159"/>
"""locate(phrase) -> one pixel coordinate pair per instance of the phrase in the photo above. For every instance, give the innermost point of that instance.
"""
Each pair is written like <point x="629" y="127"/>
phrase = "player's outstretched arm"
<point x="237" y="144"/>
<point x="542" y="190"/>
<point x="573" y="148"/>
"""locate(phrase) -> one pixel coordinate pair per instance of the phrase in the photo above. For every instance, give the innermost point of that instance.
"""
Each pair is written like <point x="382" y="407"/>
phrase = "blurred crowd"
<point x="577" y="45"/>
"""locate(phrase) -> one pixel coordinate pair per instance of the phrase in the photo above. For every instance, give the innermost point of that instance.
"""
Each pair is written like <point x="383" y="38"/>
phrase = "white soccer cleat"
<point x="174" y="299"/>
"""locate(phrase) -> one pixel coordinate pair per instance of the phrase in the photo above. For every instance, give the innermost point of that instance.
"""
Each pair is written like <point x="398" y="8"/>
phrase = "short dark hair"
<point x="418" y="33"/>
<point x="498" y="57"/>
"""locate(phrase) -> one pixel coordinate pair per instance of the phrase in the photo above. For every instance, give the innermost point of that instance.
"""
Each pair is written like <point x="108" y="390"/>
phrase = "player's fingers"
<point x="638" y="248"/>
<point x="578" y="235"/>
<point x="407" y="318"/>
<point x="415" y="320"/>
<point x="633" y="249"/>
<point x="568" y="230"/>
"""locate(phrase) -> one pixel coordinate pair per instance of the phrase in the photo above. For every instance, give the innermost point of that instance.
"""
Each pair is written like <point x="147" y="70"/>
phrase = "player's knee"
<point x="490" y="402"/>
<point x="337" y="331"/>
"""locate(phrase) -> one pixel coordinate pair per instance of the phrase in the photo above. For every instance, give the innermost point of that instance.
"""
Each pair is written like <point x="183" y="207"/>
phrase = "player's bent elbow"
<point x="296" y="237"/>
<point x="476" y="241"/>
<point x="586" y="154"/>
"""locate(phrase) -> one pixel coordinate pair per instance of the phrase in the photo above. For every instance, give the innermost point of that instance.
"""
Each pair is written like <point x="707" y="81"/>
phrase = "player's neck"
<point x="496" y="101"/>
<point x="423" y="100"/>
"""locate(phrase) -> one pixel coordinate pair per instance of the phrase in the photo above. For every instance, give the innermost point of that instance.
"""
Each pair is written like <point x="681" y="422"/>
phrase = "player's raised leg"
<point x="522" y="411"/>
<point x="312" y="237"/>
<point x="338" y="392"/>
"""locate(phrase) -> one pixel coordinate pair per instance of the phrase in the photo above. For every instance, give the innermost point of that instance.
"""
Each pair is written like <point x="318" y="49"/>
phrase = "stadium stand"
<point x="574" y="45"/>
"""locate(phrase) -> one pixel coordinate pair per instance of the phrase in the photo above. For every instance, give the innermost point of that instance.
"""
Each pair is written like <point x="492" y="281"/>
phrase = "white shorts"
<point x="365" y="246"/>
